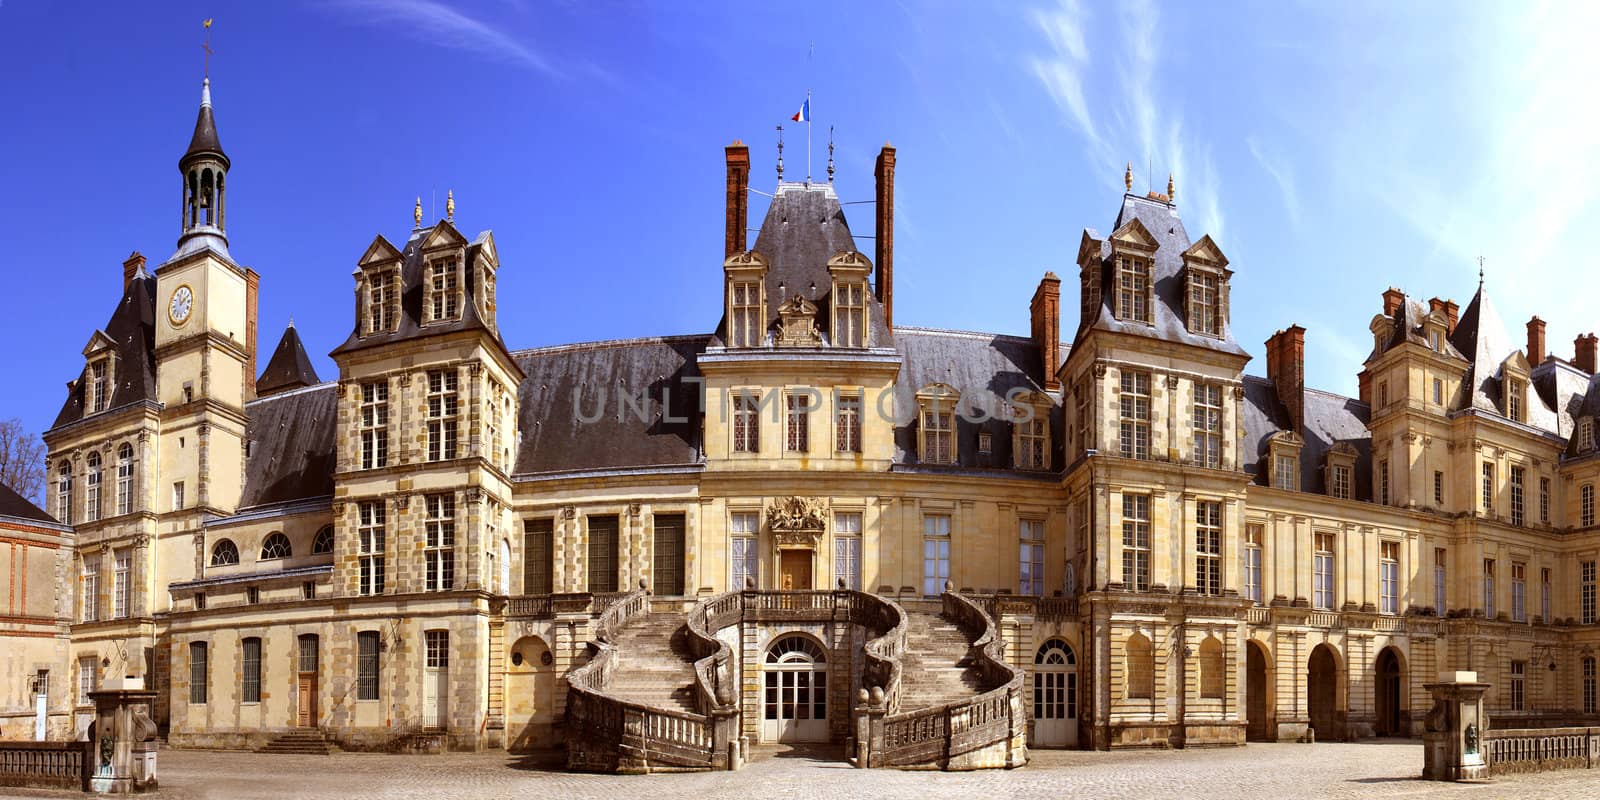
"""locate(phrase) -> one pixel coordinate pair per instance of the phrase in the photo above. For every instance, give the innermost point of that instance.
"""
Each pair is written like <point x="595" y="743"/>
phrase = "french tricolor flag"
<point x="804" y="114"/>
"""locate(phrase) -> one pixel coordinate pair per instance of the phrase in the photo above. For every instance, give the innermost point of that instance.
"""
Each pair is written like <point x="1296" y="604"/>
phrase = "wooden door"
<point x="435" y="678"/>
<point x="306" y="682"/>
<point x="795" y="571"/>
<point x="668" y="558"/>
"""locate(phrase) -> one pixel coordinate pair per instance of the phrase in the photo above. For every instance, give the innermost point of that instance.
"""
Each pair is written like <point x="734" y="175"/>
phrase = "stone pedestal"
<point x="123" y="736"/>
<point x="1453" y="736"/>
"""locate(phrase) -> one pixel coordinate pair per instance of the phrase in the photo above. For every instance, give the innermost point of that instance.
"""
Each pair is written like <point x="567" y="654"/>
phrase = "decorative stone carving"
<point x="797" y="323"/>
<point x="634" y="509"/>
<point x="797" y="522"/>
<point x="570" y="512"/>
<point x="1172" y="382"/>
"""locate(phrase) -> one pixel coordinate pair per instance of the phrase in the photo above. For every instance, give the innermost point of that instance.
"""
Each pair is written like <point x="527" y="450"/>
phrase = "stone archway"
<point x="1390" y="695"/>
<point x="1322" y="694"/>
<point x="1260" y="726"/>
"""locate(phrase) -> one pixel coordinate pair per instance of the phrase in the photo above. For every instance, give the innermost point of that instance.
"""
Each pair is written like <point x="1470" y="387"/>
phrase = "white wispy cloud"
<point x="1282" y="174"/>
<point x="1062" y="70"/>
<point x="435" y="23"/>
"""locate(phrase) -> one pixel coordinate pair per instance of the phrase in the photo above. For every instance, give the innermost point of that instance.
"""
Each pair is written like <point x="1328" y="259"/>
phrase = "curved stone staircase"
<point x="654" y="665"/>
<point x="937" y="666"/>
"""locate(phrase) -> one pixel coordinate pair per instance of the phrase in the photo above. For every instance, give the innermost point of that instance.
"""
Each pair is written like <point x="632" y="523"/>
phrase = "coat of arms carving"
<point x="797" y="323"/>
<point x="797" y="521"/>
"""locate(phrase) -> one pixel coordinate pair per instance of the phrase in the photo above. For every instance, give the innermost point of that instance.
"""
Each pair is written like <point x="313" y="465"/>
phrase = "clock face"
<point x="182" y="304"/>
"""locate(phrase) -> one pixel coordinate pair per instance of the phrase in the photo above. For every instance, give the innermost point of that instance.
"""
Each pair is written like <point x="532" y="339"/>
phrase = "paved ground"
<point x="1265" y="771"/>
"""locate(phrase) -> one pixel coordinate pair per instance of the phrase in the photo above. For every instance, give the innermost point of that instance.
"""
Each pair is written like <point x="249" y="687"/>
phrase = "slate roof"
<point x="132" y="331"/>
<point x="1406" y="324"/>
<point x="1572" y="393"/>
<point x="1168" y="315"/>
<point x="1329" y="420"/>
<point x="1481" y="338"/>
<point x="804" y="227"/>
<point x="291" y="455"/>
<point x="289" y="367"/>
<point x="15" y="505"/>
<point x="204" y="141"/>
<point x="983" y="367"/>
<point x="569" y="405"/>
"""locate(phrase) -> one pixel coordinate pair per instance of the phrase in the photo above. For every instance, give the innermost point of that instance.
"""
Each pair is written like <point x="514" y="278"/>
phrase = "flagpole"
<point x="808" y="135"/>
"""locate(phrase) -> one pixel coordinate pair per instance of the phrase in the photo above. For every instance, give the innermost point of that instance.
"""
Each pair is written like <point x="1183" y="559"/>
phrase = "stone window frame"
<point x="1138" y="653"/>
<point x="276" y="546"/>
<point x="1204" y="262"/>
<point x="1212" y="661"/>
<point x="797" y="412"/>
<point x="937" y="405"/>
<point x="1135" y="287"/>
<point x="127" y="472"/>
<point x="122" y="583"/>
<point x="1253" y="561"/>
<point x="1340" y="474"/>
<point x="442" y="411"/>
<point x="1490" y="590"/>
<point x="94" y="475"/>
<point x="937" y="550"/>
<point x="371" y="547"/>
<point x="250" y="685"/>
<point x="845" y="534"/>
<point x="372" y="423"/>
<point x="848" y="427"/>
<point x="1391" y="552"/>
<point x="1031" y="534"/>
<point x="1519" y="591"/>
<point x="738" y="515"/>
<point x="1586" y="437"/>
<point x="1325" y="558"/>
<point x="744" y="280"/>
<point x="1514" y="383"/>
<point x="1517" y="489"/>
<point x="1586" y="505"/>
<point x="1137" y="542"/>
<point x="89" y="586"/>
<point x="744" y="421"/>
<point x="1030" y="424"/>
<point x="1283" y="460"/>
<point x="64" y="491"/>
<point x="849" y="273"/>
<point x="447" y="303"/>
<point x="1206" y="422"/>
<point x="379" y="287"/>
<point x="1210" y="542"/>
<point x="98" y="391"/>
<point x="220" y="555"/>
<point x="1132" y="418"/>
<point x="440" y="518"/>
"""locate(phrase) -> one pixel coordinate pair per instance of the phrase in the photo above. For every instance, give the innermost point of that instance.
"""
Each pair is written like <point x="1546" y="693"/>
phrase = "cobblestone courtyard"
<point x="1267" y="771"/>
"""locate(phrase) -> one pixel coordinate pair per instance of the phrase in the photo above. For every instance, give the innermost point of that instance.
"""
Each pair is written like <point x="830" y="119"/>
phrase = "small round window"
<point x="516" y="659"/>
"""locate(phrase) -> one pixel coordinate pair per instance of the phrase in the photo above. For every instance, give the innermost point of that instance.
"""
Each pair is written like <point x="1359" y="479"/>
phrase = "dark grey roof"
<point x="804" y="227"/>
<point x="1168" y="315"/>
<point x="132" y="332"/>
<point x="983" y="367"/>
<point x="1569" y="391"/>
<point x="15" y="505"/>
<point x="289" y="368"/>
<point x="291" y="455"/>
<point x="1406" y="324"/>
<point x="572" y="418"/>
<point x="1481" y="338"/>
<point x="205" y="142"/>
<point x="1329" y="420"/>
<point x="412" y="281"/>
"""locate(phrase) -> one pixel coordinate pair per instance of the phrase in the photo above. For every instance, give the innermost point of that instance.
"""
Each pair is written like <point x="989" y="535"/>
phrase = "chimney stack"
<point x="131" y="268"/>
<point x="1535" y="342"/>
<point x="738" y="212"/>
<point x="883" y="280"/>
<point x="1393" y="299"/>
<point x="1584" y="352"/>
<point x="252" y="293"/>
<point x="1045" y="314"/>
<point x="1286" y="368"/>
<point x="1452" y="312"/>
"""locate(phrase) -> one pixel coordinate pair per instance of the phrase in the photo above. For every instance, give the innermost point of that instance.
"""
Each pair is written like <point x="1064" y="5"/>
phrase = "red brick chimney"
<point x="738" y="215"/>
<point x="1045" y="314"/>
<point x="131" y="268"/>
<point x="1393" y="299"/>
<point x="1584" y="352"/>
<point x="252" y="292"/>
<point x="883" y="279"/>
<point x="1286" y="368"/>
<point x="1452" y="312"/>
<point x="1535" y="342"/>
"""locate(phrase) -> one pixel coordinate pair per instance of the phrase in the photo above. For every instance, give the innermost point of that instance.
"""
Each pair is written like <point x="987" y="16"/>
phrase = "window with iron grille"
<point x="444" y="301"/>
<point x="199" y="672"/>
<point x="1136" y="542"/>
<point x="1133" y="289"/>
<point x="1253" y="536"/>
<point x="367" y="665"/>
<point x="744" y="527"/>
<point x="850" y="314"/>
<point x="1519" y="592"/>
<point x="1517" y="474"/>
<point x="370" y="556"/>
<point x="538" y="556"/>
<point x="847" y="549"/>
<point x="307" y="652"/>
<point x="1519" y="670"/>
<point x="745" y="324"/>
<point x="1488" y="588"/>
<point x="1208" y="547"/>
<point x="799" y="421"/>
<point x="250" y="686"/>
<point x="1586" y="592"/>
<point x="847" y="423"/>
<point x="1134" y="404"/>
<point x="125" y="479"/>
<point x="1322" y="594"/>
<point x="938" y="433"/>
<point x="746" y="422"/>
<point x="1030" y="570"/>
<point x="443" y="408"/>
<point x="1031" y="438"/>
<point x="603" y="553"/>
<point x="439" y="551"/>
<point x="1389" y="578"/>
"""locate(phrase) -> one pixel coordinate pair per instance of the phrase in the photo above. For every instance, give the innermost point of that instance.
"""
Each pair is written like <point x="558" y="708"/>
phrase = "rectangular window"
<point x="1383" y="482"/>
<point x="199" y="601"/>
<point x="1519" y="592"/>
<point x="847" y="423"/>
<point x="799" y="422"/>
<point x="603" y="553"/>
<point x="1517" y="474"/>
<point x="1283" y="472"/>
<point x="443" y="407"/>
<point x="1439" y="586"/>
<point x="177" y="496"/>
<point x="436" y="649"/>
<point x="1031" y="452"/>
<point x="1136" y="542"/>
<point x="64" y="494"/>
<point x="89" y="679"/>
<point x="1544" y="501"/>
<point x="1488" y="588"/>
<point x="1205" y="312"/>
<point x="850" y="314"/>
<point x="745" y="321"/>
<point x="1253" y="536"/>
<point x="1586" y="436"/>
<point x="250" y="686"/>
<point x="374" y="425"/>
<point x="538" y="556"/>
<point x="252" y="595"/>
<point x="935" y="553"/>
<point x="1586" y="505"/>
<point x="666" y="539"/>
<point x="1081" y="395"/>
<point x="367" y="665"/>
<point x="1133" y="289"/>
<point x="308" y="590"/>
<point x="371" y="551"/>
<point x="1030" y="566"/>
<point x="1208" y="547"/>
<point x="91" y="588"/>
<point x="1438" y="489"/>
<point x="847" y="549"/>
<point x="439" y="551"/>
<point x="199" y="672"/>
<point x="1341" y="482"/>
<point x="746" y="421"/>
<point x="938" y="432"/>
<point x="1322" y="571"/>
<point x="1389" y="578"/>
<point x="744" y="526"/>
<point x="1589" y="685"/>
<point x="1134" y="405"/>
<point x="120" y="584"/>
<point x="1488" y="488"/>
<point x="97" y="387"/>
<point x="1383" y="394"/>
<point x="442" y="286"/>
<point x="125" y="481"/>
<point x="1208" y="425"/>
<point x="91" y="489"/>
<point x="1514" y="400"/>
<point x="1438" y="391"/>
<point x="1519" y="670"/>
<point x="1586" y="592"/>
<point x="1545" y="593"/>
<point x="380" y="302"/>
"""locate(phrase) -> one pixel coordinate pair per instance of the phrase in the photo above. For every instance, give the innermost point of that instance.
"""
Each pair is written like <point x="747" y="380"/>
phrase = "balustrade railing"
<point x="1519" y="750"/>
<point x="58" y="765"/>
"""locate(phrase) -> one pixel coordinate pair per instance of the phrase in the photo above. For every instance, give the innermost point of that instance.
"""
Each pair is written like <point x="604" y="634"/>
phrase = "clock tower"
<point x="205" y="339"/>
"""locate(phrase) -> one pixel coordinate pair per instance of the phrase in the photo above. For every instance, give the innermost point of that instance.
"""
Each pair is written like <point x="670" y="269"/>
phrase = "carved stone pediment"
<point x="797" y="323"/>
<point x="797" y="522"/>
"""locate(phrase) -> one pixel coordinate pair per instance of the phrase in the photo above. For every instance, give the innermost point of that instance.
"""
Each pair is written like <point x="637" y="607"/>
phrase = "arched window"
<point x="1069" y="580"/>
<point x="1055" y="653"/>
<point x="91" y="495"/>
<point x="1141" y="674"/>
<point x="1213" y="669"/>
<point x="323" y="544"/>
<point x="64" y="493"/>
<point x="276" y="546"/>
<point x="125" y="479"/>
<point x="795" y="648"/>
<point x="224" y="553"/>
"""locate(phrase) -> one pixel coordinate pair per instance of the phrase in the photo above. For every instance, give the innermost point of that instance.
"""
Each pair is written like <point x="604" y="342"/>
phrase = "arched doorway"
<point x="1322" y="690"/>
<point x="1390" y="690"/>
<point x="795" y="700"/>
<point x="1055" y="695"/>
<point x="530" y="695"/>
<point x="1259" y="726"/>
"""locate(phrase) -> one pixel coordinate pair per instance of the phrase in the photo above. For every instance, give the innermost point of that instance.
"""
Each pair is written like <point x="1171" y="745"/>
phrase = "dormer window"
<point x="98" y="386"/>
<point x="1204" y="307"/>
<point x="936" y="417"/>
<point x="1586" y="435"/>
<point x="850" y="314"/>
<point x="1133" y="289"/>
<point x="1283" y="460"/>
<point x="1030" y="431"/>
<point x="744" y="319"/>
<point x="1515" y="400"/>
<point x="444" y="295"/>
<point x="383" y="302"/>
<point x="1341" y="471"/>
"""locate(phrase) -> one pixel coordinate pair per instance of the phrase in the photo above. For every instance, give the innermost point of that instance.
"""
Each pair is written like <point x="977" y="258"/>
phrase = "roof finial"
<point x="450" y="205"/>
<point x="780" y="154"/>
<point x="291" y="320"/>
<point x="1172" y="190"/>
<point x="416" y="213"/>
<point x="1480" y="272"/>
<point x="1127" y="177"/>
<point x="206" y="46"/>
<point x="830" y="154"/>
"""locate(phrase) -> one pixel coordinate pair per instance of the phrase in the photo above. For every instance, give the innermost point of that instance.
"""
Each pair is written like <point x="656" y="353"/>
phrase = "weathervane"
<point x="1480" y="271"/>
<point x="206" y="46"/>
<point x="830" y="154"/>
<point x="780" y="154"/>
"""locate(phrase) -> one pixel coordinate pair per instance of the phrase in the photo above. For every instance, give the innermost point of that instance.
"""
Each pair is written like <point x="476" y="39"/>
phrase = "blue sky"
<point x="1331" y="150"/>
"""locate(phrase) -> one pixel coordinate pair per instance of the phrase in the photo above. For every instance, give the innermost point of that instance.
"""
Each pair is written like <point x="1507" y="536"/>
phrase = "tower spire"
<point x="204" y="167"/>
